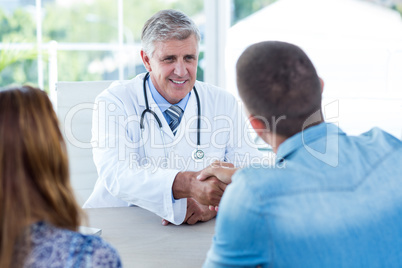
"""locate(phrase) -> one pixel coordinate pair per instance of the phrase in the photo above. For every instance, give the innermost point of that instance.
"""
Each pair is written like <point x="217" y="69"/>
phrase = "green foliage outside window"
<point x="16" y="65"/>
<point x="90" y="22"/>
<point x="244" y="8"/>
<point x="82" y="22"/>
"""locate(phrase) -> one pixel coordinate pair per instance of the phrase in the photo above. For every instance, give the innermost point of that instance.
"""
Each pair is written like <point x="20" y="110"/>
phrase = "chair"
<point x="75" y="101"/>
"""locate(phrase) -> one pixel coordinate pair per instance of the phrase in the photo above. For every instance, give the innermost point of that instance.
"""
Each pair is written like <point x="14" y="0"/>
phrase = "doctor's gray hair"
<point x="167" y="25"/>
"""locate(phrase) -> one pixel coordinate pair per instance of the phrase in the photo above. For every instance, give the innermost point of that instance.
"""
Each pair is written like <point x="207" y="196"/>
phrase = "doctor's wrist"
<point x="182" y="184"/>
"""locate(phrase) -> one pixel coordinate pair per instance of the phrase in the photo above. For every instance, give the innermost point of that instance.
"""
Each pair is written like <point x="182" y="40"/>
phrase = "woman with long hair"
<point x="39" y="216"/>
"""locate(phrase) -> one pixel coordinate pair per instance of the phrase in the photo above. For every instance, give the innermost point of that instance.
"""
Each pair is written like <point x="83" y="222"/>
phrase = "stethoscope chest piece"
<point x="197" y="155"/>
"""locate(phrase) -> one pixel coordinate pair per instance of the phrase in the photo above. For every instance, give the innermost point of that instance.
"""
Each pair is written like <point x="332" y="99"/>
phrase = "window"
<point x="77" y="40"/>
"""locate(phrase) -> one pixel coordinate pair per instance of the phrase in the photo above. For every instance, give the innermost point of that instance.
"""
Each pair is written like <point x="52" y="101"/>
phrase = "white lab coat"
<point x="133" y="171"/>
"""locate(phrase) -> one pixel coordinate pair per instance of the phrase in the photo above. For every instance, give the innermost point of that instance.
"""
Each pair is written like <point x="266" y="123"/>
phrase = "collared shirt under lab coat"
<point x="163" y="104"/>
<point x="136" y="172"/>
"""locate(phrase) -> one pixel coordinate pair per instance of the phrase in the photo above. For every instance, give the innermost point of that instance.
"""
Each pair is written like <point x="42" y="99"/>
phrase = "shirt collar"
<point x="305" y="137"/>
<point x="162" y="103"/>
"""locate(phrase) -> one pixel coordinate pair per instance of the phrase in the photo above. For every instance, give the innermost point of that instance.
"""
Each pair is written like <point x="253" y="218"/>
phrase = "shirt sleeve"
<point x="241" y="232"/>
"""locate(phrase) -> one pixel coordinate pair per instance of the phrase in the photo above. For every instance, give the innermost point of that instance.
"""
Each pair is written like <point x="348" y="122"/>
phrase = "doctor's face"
<point x="173" y="67"/>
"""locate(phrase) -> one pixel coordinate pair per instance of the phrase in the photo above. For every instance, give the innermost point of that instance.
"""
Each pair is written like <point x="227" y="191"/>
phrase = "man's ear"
<point x="322" y="84"/>
<point x="146" y="60"/>
<point x="258" y="125"/>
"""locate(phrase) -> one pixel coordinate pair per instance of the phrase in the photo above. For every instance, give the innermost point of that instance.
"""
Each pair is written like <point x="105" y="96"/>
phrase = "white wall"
<point x="355" y="46"/>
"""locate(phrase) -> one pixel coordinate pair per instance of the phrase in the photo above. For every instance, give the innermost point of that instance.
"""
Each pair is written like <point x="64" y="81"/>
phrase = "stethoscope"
<point x="197" y="154"/>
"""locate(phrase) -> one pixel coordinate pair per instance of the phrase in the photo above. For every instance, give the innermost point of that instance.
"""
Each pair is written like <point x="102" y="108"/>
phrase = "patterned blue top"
<point x="55" y="247"/>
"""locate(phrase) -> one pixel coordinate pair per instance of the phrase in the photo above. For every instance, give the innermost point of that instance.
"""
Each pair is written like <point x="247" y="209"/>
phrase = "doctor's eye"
<point x="189" y="58"/>
<point x="168" y="59"/>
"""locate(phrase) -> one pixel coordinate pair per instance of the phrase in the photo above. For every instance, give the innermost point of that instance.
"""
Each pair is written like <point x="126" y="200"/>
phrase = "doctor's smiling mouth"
<point x="180" y="84"/>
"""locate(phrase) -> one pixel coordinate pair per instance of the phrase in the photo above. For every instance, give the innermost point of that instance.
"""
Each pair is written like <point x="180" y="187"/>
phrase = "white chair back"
<point x="75" y="101"/>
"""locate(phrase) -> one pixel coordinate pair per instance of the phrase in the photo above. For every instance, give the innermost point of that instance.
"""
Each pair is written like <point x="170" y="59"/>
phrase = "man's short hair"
<point x="167" y="25"/>
<point x="278" y="84"/>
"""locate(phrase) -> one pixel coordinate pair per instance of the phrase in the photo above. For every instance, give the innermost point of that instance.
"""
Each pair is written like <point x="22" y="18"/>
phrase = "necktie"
<point x="174" y="112"/>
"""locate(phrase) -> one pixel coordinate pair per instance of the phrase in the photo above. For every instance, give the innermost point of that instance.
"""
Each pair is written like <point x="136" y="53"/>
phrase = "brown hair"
<point x="279" y="84"/>
<point x="34" y="172"/>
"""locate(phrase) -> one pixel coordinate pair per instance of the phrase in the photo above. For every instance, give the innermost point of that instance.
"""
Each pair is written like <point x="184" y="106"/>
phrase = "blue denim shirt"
<point x="331" y="200"/>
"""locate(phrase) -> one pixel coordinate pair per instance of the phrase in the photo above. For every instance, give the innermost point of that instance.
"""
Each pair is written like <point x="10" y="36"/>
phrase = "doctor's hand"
<point x="197" y="212"/>
<point x="206" y="192"/>
<point x="221" y="170"/>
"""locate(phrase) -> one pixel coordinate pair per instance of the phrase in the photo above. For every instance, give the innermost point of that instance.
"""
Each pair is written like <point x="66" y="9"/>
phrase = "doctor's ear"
<point x="146" y="60"/>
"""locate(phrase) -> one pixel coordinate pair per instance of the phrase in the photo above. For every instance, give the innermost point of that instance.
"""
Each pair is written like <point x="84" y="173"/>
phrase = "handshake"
<point x="218" y="170"/>
<point x="203" y="190"/>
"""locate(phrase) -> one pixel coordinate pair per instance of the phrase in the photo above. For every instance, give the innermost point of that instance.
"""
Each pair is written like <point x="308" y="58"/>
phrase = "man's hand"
<point x="221" y="170"/>
<point x="205" y="187"/>
<point x="205" y="192"/>
<point x="197" y="212"/>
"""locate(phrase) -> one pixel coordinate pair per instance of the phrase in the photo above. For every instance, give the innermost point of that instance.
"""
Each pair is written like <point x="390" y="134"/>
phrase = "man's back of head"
<point x="278" y="83"/>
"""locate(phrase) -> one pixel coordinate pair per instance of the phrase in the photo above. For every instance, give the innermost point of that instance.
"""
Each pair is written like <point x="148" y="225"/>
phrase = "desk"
<point x="142" y="241"/>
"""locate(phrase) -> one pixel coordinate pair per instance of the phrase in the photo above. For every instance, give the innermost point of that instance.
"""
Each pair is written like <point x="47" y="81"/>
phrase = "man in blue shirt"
<point x="330" y="200"/>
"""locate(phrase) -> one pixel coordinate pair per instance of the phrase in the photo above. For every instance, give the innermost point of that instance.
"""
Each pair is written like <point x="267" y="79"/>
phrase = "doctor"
<point x="152" y="134"/>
